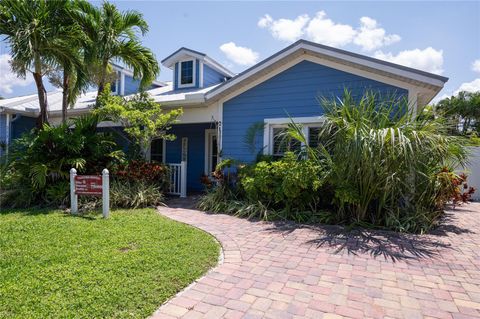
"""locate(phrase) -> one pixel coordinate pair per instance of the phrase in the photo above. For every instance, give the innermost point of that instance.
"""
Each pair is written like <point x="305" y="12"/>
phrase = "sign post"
<point x="95" y="185"/>
<point x="105" y="193"/>
<point x="73" y="195"/>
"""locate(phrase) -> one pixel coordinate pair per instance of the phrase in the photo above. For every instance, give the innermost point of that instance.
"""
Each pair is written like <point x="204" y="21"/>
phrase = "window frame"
<point x="306" y="122"/>
<point x="163" y="150"/>
<point x="194" y="74"/>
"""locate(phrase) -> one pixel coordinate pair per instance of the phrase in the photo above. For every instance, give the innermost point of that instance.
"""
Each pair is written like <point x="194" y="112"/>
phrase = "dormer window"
<point x="186" y="74"/>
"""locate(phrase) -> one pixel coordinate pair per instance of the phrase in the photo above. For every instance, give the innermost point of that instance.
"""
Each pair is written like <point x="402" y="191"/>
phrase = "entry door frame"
<point x="209" y="133"/>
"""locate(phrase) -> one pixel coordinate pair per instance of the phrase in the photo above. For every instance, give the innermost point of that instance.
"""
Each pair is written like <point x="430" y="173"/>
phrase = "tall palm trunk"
<point x="103" y="76"/>
<point x="42" y="93"/>
<point x="66" y="90"/>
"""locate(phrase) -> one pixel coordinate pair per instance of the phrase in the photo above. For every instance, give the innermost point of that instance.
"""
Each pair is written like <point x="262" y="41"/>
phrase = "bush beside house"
<point x="376" y="164"/>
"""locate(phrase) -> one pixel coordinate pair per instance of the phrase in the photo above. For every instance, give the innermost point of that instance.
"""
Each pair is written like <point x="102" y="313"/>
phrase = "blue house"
<point x="219" y="106"/>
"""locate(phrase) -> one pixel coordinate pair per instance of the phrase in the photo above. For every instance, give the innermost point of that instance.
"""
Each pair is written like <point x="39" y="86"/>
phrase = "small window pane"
<point x="186" y="72"/>
<point x="282" y="143"/>
<point x="313" y="135"/>
<point x="156" y="150"/>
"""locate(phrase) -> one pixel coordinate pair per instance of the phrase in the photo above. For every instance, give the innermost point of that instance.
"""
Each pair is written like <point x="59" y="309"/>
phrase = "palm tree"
<point x="114" y="36"/>
<point x="38" y="40"/>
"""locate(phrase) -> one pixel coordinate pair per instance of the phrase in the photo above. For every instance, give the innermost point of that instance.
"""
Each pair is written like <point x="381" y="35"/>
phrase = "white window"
<point x="186" y="73"/>
<point x="276" y="142"/>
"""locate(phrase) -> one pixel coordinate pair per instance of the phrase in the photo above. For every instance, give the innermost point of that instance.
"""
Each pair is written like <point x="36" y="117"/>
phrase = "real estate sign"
<point x="96" y="185"/>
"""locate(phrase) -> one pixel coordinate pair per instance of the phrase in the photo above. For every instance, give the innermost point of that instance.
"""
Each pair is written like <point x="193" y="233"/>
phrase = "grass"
<point x="54" y="265"/>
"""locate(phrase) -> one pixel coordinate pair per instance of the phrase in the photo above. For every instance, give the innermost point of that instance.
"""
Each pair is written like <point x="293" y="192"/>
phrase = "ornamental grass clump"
<point x="383" y="161"/>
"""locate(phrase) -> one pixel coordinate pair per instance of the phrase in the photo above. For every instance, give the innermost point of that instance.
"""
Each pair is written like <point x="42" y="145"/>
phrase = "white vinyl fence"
<point x="178" y="178"/>
<point x="473" y="171"/>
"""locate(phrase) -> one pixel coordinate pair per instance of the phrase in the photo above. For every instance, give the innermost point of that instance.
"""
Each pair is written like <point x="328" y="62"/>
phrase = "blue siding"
<point x="176" y="79"/>
<point x="3" y="131"/>
<point x="211" y="77"/>
<point x="22" y="124"/>
<point x="292" y="93"/>
<point x="196" y="151"/>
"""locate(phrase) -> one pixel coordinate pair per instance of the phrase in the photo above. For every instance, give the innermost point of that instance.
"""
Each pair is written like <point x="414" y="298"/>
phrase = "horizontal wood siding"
<point x="196" y="151"/>
<point x="211" y="77"/>
<point x="292" y="93"/>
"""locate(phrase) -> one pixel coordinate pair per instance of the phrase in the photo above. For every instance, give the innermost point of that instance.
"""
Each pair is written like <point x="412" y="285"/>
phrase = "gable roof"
<point x="430" y="81"/>
<point x="183" y="53"/>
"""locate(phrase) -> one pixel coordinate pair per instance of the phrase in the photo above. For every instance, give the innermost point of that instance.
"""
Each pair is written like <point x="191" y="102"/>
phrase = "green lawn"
<point x="54" y="265"/>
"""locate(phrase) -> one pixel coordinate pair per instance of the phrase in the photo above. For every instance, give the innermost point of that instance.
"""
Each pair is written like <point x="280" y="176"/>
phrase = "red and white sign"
<point x="88" y="185"/>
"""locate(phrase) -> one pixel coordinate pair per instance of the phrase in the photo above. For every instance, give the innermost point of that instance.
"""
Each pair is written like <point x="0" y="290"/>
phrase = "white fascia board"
<point x="334" y="55"/>
<point x="181" y="55"/>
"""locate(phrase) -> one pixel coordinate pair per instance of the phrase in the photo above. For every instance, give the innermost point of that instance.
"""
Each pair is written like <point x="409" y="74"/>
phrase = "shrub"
<point x="134" y="194"/>
<point x="145" y="172"/>
<point x="39" y="163"/>
<point x="376" y="162"/>
<point x="291" y="184"/>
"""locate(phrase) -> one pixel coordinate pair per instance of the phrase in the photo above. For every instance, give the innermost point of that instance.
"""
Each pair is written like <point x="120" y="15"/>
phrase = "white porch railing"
<point x="178" y="178"/>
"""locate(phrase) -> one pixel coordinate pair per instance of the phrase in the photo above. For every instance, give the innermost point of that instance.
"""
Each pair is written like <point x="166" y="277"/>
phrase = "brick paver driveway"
<point x="289" y="271"/>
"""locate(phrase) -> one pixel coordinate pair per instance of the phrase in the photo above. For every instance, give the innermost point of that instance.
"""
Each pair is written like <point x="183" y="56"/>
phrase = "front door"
<point x="211" y="151"/>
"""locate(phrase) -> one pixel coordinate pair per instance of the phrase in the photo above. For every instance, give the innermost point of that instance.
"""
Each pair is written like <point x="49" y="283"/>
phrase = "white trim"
<point x="7" y="132"/>
<point x="122" y="83"/>
<point x="332" y="55"/>
<point x="271" y="123"/>
<point x="207" y="162"/>
<point x="194" y="74"/>
<point x="220" y="130"/>
<point x="200" y="77"/>
<point x="188" y="54"/>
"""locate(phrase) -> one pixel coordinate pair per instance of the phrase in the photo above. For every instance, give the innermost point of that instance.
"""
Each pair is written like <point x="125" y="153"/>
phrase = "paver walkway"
<point x="288" y="271"/>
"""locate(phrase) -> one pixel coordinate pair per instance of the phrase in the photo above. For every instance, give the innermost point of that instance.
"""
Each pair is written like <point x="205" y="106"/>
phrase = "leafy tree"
<point x="114" y="37"/>
<point x="464" y="110"/>
<point x="38" y="40"/>
<point x="142" y="118"/>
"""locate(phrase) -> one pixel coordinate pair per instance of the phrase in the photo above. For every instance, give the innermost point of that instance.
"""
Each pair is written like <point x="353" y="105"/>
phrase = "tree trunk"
<point x="66" y="89"/>
<point x="103" y="75"/>
<point x="42" y="93"/>
<point x="42" y="100"/>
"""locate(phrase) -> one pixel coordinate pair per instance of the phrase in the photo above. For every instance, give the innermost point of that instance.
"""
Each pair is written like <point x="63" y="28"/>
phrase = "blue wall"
<point x="293" y="93"/>
<point x="22" y="124"/>
<point x="176" y="79"/>
<point x="131" y="85"/>
<point x="211" y="77"/>
<point x="196" y="151"/>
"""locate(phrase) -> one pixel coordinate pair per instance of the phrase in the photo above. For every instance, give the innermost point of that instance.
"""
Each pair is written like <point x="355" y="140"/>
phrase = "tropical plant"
<point x="382" y="160"/>
<point x="464" y="110"/>
<point x="142" y="118"/>
<point x="39" y="40"/>
<point x="135" y="194"/>
<point x="40" y="162"/>
<point x="114" y="37"/>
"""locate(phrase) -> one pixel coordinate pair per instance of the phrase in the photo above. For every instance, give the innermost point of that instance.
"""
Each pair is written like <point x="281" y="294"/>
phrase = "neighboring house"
<point x="219" y="106"/>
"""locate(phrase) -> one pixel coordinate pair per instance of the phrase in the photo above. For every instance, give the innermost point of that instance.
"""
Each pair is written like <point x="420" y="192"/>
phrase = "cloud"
<point x="476" y="65"/>
<point x="473" y="86"/>
<point x="370" y="36"/>
<point x="284" y="29"/>
<point x="325" y="31"/>
<point x="8" y="79"/>
<point x="428" y="59"/>
<point x="239" y="55"/>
